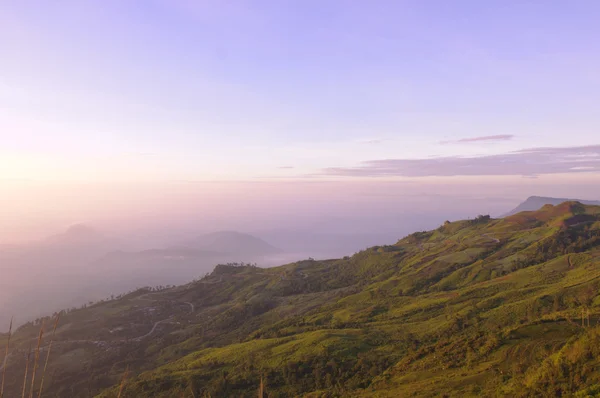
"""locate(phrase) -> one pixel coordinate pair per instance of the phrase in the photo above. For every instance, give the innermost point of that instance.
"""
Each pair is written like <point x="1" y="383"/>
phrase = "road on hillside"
<point x="152" y="330"/>
<point x="496" y="240"/>
<point x="192" y="307"/>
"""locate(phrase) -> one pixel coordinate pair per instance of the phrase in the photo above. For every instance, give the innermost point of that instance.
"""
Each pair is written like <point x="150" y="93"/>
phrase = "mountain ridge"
<point x="472" y="308"/>
<point x="533" y="203"/>
<point x="82" y="263"/>
<point x="232" y="242"/>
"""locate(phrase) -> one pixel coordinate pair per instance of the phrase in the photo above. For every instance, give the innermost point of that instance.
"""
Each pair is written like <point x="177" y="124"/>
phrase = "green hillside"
<point x="483" y="307"/>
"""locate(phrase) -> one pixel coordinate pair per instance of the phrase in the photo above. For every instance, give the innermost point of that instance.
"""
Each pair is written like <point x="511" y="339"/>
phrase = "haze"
<point x="319" y="129"/>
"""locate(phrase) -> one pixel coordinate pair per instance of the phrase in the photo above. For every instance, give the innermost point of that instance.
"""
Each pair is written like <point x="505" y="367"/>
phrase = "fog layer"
<point x="65" y="245"/>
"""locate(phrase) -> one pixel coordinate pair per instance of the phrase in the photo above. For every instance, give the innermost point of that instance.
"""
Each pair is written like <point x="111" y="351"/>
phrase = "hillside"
<point x="55" y="268"/>
<point x="484" y="307"/>
<point x="534" y="203"/>
<point x="82" y="264"/>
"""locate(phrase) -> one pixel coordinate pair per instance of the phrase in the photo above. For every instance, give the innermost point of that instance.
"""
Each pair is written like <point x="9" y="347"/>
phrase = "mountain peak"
<point x="535" y="203"/>
<point x="77" y="233"/>
<point x="564" y="215"/>
<point x="233" y="242"/>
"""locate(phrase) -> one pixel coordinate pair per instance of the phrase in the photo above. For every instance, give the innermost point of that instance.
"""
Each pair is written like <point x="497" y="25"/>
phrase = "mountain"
<point x="232" y="242"/>
<point x="122" y="270"/>
<point x="78" y="244"/>
<point x="537" y="202"/>
<point x="77" y="233"/>
<point x="475" y="308"/>
<point x="56" y="268"/>
<point x="82" y="264"/>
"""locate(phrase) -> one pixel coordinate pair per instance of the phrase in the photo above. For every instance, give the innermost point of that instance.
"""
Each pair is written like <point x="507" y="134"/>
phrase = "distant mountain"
<point x="56" y="268"/>
<point x="84" y="238"/>
<point x="470" y="309"/>
<point x="83" y="262"/>
<point x="534" y="203"/>
<point x="75" y="246"/>
<point x="154" y="267"/>
<point x="77" y="234"/>
<point x="232" y="242"/>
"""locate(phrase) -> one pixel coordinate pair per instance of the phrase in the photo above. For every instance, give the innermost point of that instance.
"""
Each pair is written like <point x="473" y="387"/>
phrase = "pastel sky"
<point x="247" y="90"/>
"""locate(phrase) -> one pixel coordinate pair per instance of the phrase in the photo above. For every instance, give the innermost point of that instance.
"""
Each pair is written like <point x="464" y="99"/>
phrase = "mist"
<point x="68" y="244"/>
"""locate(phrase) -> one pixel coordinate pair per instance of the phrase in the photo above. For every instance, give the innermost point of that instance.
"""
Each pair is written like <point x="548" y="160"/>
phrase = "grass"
<point x="48" y="355"/>
<point x="36" y="360"/>
<point x="28" y="387"/>
<point x="26" y="373"/>
<point x="123" y="381"/>
<point x="450" y="312"/>
<point x="4" y="362"/>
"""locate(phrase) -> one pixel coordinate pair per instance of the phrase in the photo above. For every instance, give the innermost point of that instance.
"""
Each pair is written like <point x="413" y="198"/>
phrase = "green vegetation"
<point x="484" y="307"/>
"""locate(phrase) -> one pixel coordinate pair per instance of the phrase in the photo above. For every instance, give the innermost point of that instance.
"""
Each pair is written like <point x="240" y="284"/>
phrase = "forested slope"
<point x="483" y="307"/>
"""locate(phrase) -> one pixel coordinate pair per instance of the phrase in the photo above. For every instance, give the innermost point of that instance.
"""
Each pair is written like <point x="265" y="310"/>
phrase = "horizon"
<point x="309" y="198"/>
<point x="183" y="206"/>
<point x="129" y="100"/>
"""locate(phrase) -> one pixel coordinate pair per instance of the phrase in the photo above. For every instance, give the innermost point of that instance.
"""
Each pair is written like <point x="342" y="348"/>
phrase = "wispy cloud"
<point x="487" y="138"/>
<point x="371" y="141"/>
<point x="526" y="162"/>
<point x="285" y="167"/>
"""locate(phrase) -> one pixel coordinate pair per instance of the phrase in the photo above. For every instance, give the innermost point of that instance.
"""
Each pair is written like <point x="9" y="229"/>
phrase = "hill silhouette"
<point x="77" y="232"/>
<point x="83" y="263"/>
<point x="474" y="308"/>
<point x="537" y="202"/>
<point x="232" y="242"/>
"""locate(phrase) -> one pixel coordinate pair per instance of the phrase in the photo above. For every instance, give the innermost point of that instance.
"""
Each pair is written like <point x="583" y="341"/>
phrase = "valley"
<point x="312" y="199"/>
<point x="472" y="307"/>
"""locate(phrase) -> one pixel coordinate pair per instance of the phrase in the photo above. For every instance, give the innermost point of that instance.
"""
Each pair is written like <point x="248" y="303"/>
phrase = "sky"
<point x="321" y="126"/>
<point x="164" y="91"/>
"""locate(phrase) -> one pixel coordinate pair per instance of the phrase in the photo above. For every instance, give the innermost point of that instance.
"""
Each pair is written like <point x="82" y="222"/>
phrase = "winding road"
<point x="496" y="240"/>
<point x="192" y="307"/>
<point x="151" y="330"/>
<point x="143" y="297"/>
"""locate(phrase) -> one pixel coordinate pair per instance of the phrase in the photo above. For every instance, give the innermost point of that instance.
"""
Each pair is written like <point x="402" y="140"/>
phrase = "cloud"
<point x="487" y="138"/>
<point x="285" y="167"/>
<point x="371" y="141"/>
<point x="526" y="162"/>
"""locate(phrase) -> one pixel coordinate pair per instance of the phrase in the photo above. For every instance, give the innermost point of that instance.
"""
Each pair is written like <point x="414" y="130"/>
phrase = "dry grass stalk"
<point x="26" y="372"/>
<point x="36" y="360"/>
<point x="261" y="388"/>
<point x="123" y="380"/>
<point x="48" y="356"/>
<point x="4" y="362"/>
